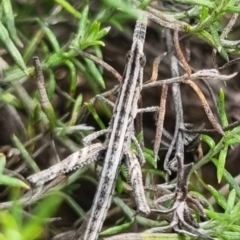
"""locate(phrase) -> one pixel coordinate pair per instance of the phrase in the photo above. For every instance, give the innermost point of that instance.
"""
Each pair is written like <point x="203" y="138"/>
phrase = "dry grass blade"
<point x="167" y="22"/>
<point x="196" y="89"/>
<point x="160" y="121"/>
<point x="229" y="26"/>
<point x="211" y="74"/>
<point x="234" y="61"/>
<point x="180" y="53"/>
<point x="156" y="64"/>
<point x="206" y="107"/>
<point x="162" y="109"/>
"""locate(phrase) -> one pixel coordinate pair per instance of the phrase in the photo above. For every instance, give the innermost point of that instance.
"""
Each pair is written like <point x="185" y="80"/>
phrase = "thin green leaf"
<point x="123" y="6"/>
<point x="217" y="216"/>
<point x="72" y="203"/>
<point x="140" y="137"/>
<point x="103" y="32"/>
<point x="220" y="6"/>
<point x="10" y="99"/>
<point x="230" y="180"/>
<point x="124" y="172"/>
<point x="219" y="47"/>
<point x="69" y="8"/>
<point x="91" y="43"/>
<point x="232" y="9"/>
<point x="93" y="31"/>
<point x="221" y="107"/>
<point x="13" y="51"/>
<point x="119" y="185"/>
<point x="75" y="111"/>
<point x="204" y="23"/>
<point x="234" y="228"/>
<point x="236" y="130"/>
<point x="82" y="26"/>
<point x="200" y="180"/>
<point x="32" y="45"/>
<point x="235" y="215"/>
<point x="37" y="112"/>
<point x="205" y="36"/>
<point x="231" y="201"/>
<point x="209" y="141"/>
<point x="95" y="73"/>
<point x="12" y="182"/>
<point x="54" y="60"/>
<point x="232" y="138"/>
<point x="204" y="14"/>
<point x="156" y="172"/>
<point x="95" y="115"/>
<point x="204" y="3"/>
<point x="212" y="224"/>
<point x="73" y="78"/>
<point x="51" y="85"/>
<point x="9" y="22"/>
<point x="16" y="74"/>
<point x="31" y="163"/>
<point x="118" y="229"/>
<point x="218" y="197"/>
<point x="50" y="35"/>
<point x="31" y="133"/>
<point x="226" y="235"/>
<point x="149" y="156"/>
<point x="221" y="163"/>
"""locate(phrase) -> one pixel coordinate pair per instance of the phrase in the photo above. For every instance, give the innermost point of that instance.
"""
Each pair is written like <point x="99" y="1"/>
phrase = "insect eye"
<point x="142" y="60"/>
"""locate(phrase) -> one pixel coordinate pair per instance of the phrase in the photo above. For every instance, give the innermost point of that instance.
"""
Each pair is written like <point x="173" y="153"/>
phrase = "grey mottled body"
<point x="120" y="132"/>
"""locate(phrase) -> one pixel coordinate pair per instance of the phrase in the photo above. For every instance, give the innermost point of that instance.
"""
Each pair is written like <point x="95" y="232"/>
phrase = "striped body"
<point x="118" y="139"/>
